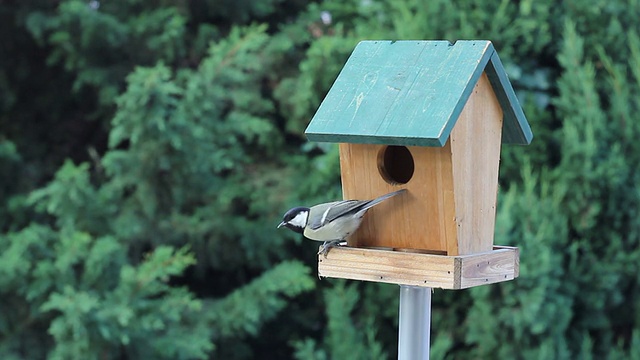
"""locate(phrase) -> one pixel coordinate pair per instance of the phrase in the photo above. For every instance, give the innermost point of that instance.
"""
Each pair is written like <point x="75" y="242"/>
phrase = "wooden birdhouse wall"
<point x="451" y="202"/>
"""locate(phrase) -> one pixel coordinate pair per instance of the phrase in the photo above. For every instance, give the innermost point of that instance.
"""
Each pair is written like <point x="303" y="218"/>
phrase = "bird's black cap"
<point x="290" y="215"/>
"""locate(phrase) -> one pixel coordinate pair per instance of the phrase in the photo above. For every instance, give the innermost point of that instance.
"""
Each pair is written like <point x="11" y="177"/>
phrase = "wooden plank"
<point x="411" y="92"/>
<point x="517" y="255"/>
<point x="451" y="201"/>
<point x="475" y="149"/>
<point x="422" y="218"/>
<point x="388" y="266"/>
<point x="439" y="92"/>
<point x="400" y="92"/>
<point x="487" y="268"/>
<point x="419" y="269"/>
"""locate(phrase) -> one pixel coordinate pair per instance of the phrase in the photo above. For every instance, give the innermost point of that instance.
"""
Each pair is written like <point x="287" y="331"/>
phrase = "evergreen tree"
<point x="148" y="149"/>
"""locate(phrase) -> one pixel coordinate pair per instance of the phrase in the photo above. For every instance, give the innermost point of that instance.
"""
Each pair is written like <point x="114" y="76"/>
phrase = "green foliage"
<point x="579" y="302"/>
<point x="9" y="164"/>
<point x="184" y="147"/>
<point x="245" y="309"/>
<point x="300" y="96"/>
<point x="92" y="302"/>
<point x="344" y="338"/>
<point x="80" y="34"/>
<point x="540" y="297"/>
<point x="147" y="150"/>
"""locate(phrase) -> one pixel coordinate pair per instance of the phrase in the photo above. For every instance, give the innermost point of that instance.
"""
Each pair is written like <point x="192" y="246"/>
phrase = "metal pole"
<point x="414" y="323"/>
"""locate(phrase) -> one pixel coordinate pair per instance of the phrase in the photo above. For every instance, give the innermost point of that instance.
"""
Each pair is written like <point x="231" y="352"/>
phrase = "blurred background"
<point x="148" y="149"/>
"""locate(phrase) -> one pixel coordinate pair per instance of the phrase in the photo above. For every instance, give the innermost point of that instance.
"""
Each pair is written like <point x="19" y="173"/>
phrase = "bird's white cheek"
<point x="300" y="220"/>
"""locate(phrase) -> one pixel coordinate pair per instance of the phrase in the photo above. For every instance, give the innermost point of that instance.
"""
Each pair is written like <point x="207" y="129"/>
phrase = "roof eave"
<point x="516" y="129"/>
<point x="468" y="90"/>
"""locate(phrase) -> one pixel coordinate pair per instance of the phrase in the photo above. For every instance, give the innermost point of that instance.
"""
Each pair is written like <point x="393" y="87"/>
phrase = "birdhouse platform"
<point x="430" y="117"/>
<point x="421" y="269"/>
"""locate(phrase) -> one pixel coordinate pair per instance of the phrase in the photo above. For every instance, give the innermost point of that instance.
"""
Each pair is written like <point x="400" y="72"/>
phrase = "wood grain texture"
<point x="475" y="151"/>
<point x="422" y="218"/>
<point x="417" y="269"/>
<point x="411" y="93"/>
<point x="388" y="267"/>
<point x="400" y="92"/>
<point x="487" y="268"/>
<point x="451" y="202"/>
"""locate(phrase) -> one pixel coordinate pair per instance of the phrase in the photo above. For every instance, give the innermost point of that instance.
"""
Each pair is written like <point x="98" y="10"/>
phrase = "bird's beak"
<point x="281" y="225"/>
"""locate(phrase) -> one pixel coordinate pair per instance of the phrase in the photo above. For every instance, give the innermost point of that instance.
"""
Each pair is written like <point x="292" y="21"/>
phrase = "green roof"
<point x="411" y="93"/>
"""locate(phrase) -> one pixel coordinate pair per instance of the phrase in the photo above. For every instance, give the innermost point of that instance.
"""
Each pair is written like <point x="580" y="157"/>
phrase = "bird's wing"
<point x="369" y="204"/>
<point x="322" y="214"/>
<point x="325" y="213"/>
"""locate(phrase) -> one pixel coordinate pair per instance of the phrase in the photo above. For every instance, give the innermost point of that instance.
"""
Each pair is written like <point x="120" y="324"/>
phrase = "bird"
<point x="330" y="222"/>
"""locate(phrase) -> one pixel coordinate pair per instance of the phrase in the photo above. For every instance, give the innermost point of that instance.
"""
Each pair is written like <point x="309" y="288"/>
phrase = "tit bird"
<point x="330" y="222"/>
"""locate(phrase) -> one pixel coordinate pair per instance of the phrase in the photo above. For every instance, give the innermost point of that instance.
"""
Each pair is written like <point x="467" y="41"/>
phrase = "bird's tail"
<point x="380" y="199"/>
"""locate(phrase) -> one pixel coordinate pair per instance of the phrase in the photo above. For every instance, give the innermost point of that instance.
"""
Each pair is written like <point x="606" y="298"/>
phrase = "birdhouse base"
<point x="419" y="269"/>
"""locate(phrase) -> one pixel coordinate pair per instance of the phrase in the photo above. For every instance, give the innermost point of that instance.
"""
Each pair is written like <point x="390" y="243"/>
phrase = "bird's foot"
<point x="327" y="245"/>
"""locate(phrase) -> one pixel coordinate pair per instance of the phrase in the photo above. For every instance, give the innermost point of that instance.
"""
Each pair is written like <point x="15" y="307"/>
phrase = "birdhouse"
<point x="428" y="116"/>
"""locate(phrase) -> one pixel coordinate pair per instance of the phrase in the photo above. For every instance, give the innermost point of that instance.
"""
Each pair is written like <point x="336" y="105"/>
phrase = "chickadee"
<point x="330" y="222"/>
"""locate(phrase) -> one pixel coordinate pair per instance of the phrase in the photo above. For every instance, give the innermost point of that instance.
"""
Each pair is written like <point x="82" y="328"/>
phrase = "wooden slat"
<point x="517" y="255"/>
<point x="451" y="202"/>
<point x="411" y="93"/>
<point x="475" y="149"/>
<point x="388" y="266"/>
<point x="417" y="269"/>
<point x="422" y="218"/>
<point x="487" y="268"/>
<point x="434" y="100"/>
<point x="400" y="92"/>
